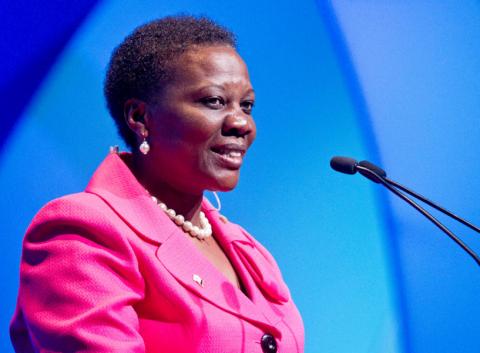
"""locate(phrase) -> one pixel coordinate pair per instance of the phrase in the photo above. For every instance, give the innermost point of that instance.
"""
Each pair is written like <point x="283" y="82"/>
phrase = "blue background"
<point x="395" y="82"/>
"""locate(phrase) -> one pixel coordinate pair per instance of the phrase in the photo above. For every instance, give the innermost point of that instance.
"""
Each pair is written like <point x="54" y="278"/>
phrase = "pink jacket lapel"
<point x="184" y="261"/>
<point x="117" y="186"/>
<point x="264" y="285"/>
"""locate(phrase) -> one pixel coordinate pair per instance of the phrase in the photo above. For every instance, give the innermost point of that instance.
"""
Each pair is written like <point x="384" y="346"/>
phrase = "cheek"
<point x="191" y="127"/>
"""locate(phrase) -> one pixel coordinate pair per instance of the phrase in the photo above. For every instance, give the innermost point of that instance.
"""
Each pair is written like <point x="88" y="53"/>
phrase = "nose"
<point x="237" y="124"/>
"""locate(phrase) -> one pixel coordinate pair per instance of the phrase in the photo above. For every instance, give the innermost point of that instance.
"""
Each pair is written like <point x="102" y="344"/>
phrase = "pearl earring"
<point x="144" y="146"/>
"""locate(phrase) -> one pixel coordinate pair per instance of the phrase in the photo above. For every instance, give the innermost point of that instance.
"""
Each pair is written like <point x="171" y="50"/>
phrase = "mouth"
<point x="230" y="155"/>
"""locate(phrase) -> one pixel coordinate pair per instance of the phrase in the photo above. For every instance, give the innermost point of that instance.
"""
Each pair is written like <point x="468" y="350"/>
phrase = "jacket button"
<point x="269" y="345"/>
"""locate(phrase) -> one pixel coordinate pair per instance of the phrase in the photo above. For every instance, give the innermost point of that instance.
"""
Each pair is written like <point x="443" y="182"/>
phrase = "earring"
<point x="219" y="204"/>
<point x="144" y="146"/>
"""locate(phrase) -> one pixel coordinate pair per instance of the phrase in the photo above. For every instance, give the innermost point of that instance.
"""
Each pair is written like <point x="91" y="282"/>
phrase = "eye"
<point x="213" y="102"/>
<point x="247" y="106"/>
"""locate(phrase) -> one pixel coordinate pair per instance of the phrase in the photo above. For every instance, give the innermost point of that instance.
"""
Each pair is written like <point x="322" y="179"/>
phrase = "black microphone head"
<point x="344" y="165"/>
<point x="376" y="169"/>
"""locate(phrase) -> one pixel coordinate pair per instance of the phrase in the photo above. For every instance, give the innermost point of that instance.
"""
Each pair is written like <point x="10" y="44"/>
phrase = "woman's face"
<point x="200" y="126"/>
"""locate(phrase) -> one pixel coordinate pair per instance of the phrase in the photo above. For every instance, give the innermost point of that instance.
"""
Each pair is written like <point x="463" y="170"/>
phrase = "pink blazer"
<point x="105" y="270"/>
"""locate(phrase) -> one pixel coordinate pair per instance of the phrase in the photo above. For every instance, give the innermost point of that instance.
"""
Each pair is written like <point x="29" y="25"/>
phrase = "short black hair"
<point x="142" y="63"/>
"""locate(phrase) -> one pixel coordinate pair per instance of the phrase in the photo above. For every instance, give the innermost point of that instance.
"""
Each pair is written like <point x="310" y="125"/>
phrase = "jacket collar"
<point x="117" y="186"/>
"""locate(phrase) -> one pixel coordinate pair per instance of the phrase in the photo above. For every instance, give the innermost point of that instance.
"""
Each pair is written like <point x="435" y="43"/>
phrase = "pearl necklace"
<point x="195" y="231"/>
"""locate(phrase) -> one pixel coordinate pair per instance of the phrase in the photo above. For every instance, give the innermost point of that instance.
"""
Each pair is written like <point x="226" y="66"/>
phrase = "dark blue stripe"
<point x="34" y="33"/>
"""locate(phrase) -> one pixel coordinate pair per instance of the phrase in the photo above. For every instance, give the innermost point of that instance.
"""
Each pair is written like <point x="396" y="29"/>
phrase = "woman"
<point x="140" y="261"/>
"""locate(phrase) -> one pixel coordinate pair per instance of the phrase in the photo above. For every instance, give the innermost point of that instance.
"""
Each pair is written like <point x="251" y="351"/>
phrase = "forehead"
<point x="211" y="63"/>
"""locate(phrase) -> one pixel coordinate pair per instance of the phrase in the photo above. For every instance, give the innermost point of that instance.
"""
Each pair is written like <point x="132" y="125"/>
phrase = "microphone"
<point x="344" y="165"/>
<point x="348" y="165"/>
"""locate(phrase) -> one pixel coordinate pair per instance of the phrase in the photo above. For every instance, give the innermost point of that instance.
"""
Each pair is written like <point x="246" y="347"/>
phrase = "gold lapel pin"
<point x="197" y="279"/>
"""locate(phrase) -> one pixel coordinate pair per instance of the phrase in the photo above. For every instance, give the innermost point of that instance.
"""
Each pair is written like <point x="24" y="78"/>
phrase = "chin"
<point x="225" y="183"/>
<point x="224" y="187"/>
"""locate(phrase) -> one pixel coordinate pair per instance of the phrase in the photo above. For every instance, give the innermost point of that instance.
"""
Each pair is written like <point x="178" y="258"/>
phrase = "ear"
<point x="134" y="111"/>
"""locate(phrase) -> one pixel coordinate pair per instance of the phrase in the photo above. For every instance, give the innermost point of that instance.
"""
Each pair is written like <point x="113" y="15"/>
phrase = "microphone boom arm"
<point x="386" y="182"/>
<point x="432" y="204"/>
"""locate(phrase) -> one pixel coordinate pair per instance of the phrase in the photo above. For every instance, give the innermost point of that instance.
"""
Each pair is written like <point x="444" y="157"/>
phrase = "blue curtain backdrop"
<point x="396" y="82"/>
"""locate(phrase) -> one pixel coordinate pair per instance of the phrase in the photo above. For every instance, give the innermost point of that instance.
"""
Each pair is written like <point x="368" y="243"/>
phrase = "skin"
<point x="193" y="126"/>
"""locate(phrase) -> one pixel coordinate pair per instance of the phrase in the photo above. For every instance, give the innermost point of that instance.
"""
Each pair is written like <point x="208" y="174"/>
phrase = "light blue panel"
<point x="418" y="63"/>
<point x="324" y="230"/>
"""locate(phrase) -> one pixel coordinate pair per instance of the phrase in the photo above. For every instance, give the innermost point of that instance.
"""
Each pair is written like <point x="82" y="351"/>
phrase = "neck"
<point x="186" y="204"/>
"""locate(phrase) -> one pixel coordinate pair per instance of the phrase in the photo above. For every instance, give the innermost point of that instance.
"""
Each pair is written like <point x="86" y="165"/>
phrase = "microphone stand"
<point x="432" y="204"/>
<point x="386" y="182"/>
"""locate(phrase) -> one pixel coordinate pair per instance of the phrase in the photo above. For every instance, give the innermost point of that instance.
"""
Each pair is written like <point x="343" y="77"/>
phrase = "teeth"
<point x="229" y="153"/>
<point x="234" y="154"/>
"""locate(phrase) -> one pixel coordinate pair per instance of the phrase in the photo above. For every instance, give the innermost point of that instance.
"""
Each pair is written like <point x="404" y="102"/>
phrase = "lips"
<point x="230" y="155"/>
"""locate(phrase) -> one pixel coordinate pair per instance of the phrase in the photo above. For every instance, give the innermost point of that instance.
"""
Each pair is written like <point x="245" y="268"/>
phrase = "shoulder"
<point x="77" y="255"/>
<point x="83" y="214"/>
<point x="77" y="234"/>
<point x="79" y="205"/>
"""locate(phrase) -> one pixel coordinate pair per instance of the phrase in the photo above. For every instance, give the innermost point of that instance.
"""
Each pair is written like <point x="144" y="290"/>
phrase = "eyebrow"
<point x="250" y="90"/>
